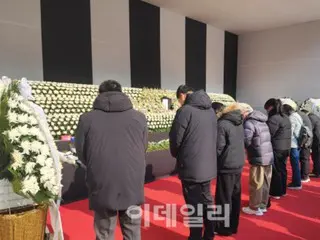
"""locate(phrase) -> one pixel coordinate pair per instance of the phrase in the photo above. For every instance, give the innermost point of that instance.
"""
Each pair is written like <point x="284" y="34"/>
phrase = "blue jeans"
<point x="296" y="173"/>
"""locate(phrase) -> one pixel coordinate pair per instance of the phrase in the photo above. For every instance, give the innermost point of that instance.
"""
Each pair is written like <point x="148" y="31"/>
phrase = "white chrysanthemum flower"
<point x="36" y="146"/>
<point x="49" y="162"/>
<point x="29" y="167"/>
<point x="12" y="103"/>
<point x="26" y="145"/>
<point x="30" y="185"/>
<point x="47" y="173"/>
<point x="13" y="135"/>
<point x="34" y="131"/>
<point x="32" y="120"/>
<point x="23" y="130"/>
<point x="23" y="118"/>
<point x="45" y="150"/>
<point x="12" y="117"/>
<point x="17" y="159"/>
<point x="41" y="160"/>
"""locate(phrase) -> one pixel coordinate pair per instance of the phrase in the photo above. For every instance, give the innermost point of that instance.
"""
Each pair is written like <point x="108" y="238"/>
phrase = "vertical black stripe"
<point x="145" y="44"/>
<point x="230" y="64"/>
<point x="196" y="41"/>
<point x="66" y="41"/>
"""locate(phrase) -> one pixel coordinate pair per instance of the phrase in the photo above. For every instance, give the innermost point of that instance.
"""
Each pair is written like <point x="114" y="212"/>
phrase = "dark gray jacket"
<point x="258" y="139"/>
<point x="193" y="139"/>
<point x="111" y="140"/>
<point x="315" y="121"/>
<point x="280" y="130"/>
<point x="230" y="141"/>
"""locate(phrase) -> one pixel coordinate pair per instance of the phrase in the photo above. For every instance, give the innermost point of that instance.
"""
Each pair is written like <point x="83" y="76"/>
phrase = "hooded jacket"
<point x="280" y="130"/>
<point x="111" y="141"/>
<point x="230" y="141"/>
<point x="258" y="139"/>
<point x="296" y="125"/>
<point x="193" y="137"/>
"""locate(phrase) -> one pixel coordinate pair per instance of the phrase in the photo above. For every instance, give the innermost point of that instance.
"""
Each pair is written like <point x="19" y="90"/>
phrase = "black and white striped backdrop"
<point x="138" y="44"/>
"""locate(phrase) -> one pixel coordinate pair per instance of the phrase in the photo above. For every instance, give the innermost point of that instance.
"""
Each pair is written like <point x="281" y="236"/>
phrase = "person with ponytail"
<point x="280" y="130"/>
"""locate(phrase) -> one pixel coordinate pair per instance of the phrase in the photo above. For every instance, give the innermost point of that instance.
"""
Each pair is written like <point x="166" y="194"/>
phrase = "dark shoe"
<point x="235" y="231"/>
<point x="225" y="233"/>
<point x="314" y="175"/>
<point x="294" y="187"/>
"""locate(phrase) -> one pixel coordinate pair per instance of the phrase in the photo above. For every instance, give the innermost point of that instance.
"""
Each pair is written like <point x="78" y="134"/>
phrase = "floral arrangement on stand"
<point x="29" y="158"/>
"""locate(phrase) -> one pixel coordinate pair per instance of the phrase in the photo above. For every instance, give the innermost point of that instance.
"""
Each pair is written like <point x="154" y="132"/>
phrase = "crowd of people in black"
<point x="210" y="141"/>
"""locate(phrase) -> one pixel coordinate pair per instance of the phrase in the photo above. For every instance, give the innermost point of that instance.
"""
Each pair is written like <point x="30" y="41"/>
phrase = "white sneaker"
<point x="275" y="197"/>
<point x="305" y="180"/>
<point x="264" y="210"/>
<point x="249" y="211"/>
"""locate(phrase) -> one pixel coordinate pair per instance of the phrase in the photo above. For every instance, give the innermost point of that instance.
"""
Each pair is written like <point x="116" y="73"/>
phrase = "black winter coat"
<point x="230" y="142"/>
<point x="315" y="120"/>
<point x="258" y="139"/>
<point x="193" y="137"/>
<point x="111" y="140"/>
<point x="280" y="130"/>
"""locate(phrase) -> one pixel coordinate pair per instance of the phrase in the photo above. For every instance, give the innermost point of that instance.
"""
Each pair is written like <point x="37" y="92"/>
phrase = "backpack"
<point x="305" y="138"/>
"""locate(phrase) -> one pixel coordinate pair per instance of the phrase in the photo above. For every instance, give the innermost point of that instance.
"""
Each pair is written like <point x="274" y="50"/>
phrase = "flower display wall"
<point x="64" y="103"/>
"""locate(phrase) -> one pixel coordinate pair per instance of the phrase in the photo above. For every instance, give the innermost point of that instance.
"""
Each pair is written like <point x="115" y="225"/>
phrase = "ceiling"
<point x="240" y="16"/>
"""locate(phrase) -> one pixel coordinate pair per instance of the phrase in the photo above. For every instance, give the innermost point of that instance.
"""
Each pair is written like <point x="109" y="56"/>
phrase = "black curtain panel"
<point x="230" y="64"/>
<point x="196" y="41"/>
<point x="145" y="45"/>
<point x="66" y="41"/>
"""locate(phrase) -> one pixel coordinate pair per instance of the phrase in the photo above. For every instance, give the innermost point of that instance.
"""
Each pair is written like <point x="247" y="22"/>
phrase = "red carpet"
<point x="297" y="216"/>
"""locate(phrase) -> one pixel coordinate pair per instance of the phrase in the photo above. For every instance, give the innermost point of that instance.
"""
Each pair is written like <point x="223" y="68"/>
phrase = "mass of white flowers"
<point x="64" y="103"/>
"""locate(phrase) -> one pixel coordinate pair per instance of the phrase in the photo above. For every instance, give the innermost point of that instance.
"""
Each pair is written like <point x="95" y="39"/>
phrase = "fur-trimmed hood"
<point x="233" y="114"/>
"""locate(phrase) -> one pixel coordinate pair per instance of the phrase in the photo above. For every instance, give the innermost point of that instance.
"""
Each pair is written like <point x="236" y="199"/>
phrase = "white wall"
<point x="21" y="45"/>
<point x="279" y="62"/>
<point x="215" y="60"/>
<point x="20" y="39"/>
<point x="110" y="41"/>
<point x="173" y="49"/>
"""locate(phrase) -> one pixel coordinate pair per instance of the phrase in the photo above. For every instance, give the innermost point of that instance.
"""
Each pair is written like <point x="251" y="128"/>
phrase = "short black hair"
<point x="183" y="89"/>
<point x="218" y="106"/>
<point x="276" y="105"/>
<point x="110" y="86"/>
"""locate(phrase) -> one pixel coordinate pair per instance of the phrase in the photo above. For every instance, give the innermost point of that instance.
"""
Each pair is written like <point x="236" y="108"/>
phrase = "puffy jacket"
<point x="230" y="141"/>
<point x="193" y="136"/>
<point x="296" y="124"/>
<point x="111" y="140"/>
<point x="258" y="139"/>
<point x="315" y="120"/>
<point x="280" y="130"/>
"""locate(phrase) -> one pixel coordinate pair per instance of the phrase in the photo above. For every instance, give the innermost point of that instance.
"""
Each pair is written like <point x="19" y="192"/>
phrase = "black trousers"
<point x="196" y="194"/>
<point x="278" y="185"/>
<point x="316" y="160"/>
<point x="305" y="162"/>
<point x="228" y="191"/>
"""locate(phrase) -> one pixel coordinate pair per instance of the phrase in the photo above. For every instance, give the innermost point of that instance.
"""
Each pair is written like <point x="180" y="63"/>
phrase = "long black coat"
<point x="280" y="130"/>
<point x="258" y="139"/>
<point x="193" y="139"/>
<point x="111" y="141"/>
<point x="230" y="142"/>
